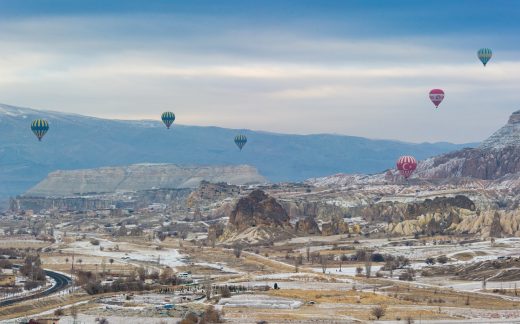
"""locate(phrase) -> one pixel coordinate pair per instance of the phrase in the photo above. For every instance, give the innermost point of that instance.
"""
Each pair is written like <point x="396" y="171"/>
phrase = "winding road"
<point x="61" y="282"/>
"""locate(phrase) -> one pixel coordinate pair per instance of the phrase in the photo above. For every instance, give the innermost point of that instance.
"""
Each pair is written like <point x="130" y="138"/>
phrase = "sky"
<point x="360" y="68"/>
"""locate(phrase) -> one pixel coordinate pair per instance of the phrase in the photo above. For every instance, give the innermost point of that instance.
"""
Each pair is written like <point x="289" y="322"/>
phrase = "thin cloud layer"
<point x="287" y="77"/>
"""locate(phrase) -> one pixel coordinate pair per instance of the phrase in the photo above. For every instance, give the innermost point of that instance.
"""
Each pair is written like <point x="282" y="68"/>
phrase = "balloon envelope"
<point x="168" y="118"/>
<point x="436" y="96"/>
<point x="406" y="165"/>
<point x="240" y="141"/>
<point x="40" y="127"/>
<point x="484" y="55"/>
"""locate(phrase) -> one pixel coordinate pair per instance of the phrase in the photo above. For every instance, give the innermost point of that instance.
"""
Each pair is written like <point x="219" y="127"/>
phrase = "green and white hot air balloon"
<point x="484" y="55"/>
<point x="168" y="118"/>
<point x="240" y="141"/>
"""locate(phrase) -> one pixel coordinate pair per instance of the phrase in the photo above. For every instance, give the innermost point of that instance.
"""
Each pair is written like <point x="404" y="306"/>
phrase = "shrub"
<point x="28" y="285"/>
<point x="225" y="292"/>
<point x="211" y="315"/>
<point x="190" y="318"/>
<point x="378" y="311"/>
<point x="377" y="257"/>
<point x="442" y="259"/>
<point x="408" y="275"/>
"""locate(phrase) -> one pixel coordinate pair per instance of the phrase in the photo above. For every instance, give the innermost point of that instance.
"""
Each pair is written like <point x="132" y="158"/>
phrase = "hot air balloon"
<point x="406" y="165"/>
<point x="39" y="127"/>
<point x="484" y="55"/>
<point x="436" y="96"/>
<point x="168" y="118"/>
<point x="240" y="141"/>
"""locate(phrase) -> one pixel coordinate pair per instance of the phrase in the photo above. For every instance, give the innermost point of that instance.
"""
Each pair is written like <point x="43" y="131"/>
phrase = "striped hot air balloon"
<point x="436" y="96"/>
<point x="484" y="55"/>
<point x="168" y="118"/>
<point x="240" y="141"/>
<point x="40" y="127"/>
<point x="406" y="165"/>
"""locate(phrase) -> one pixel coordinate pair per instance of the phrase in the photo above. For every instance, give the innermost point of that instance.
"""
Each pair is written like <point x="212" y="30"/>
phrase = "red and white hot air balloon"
<point x="406" y="165"/>
<point x="436" y="96"/>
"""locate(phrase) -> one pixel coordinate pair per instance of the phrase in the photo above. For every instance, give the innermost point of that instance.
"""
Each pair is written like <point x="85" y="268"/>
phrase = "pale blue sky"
<point x="351" y="67"/>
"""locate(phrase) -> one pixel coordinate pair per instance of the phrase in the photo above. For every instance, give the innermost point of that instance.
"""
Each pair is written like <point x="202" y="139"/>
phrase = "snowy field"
<point x="128" y="251"/>
<point x="260" y="301"/>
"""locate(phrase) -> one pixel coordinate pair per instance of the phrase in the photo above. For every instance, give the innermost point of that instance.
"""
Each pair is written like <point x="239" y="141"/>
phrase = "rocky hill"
<point x="496" y="157"/>
<point x="81" y="142"/>
<point x="140" y="177"/>
<point x="256" y="210"/>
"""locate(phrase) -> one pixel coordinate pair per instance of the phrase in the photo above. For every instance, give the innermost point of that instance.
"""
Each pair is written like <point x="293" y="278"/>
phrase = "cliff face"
<point x="315" y="209"/>
<point x="307" y="225"/>
<point x="483" y="224"/>
<point x="257" y="210"/>
<point x="138" y="199"/>
<point x="140" y="177"/>
<point x="399" y="211"/>
<point x="496" y="157"/>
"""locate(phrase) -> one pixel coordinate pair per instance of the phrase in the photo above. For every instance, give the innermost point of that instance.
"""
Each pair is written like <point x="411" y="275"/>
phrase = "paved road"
<point x="61" y="280"/>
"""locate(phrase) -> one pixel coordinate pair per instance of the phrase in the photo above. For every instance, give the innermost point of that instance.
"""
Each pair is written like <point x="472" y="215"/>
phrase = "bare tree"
<point x="368" y="263"/>
<point x="378" y="311"/>
<point x="296" y="265"/>
<point x="237" y="249"/>
<point x="323" y="263"/>
<point x="308" y="251"/>
<point x="212" y="239"/>
<point x="207" y="286"/>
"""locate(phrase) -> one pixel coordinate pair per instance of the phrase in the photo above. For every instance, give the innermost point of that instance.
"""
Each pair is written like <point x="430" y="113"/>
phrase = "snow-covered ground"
<point x="219" y="266"/>
<point x="347" y="271"/>
<point x="260" y="301"/>
<point x="304" y="285"/>
<point x="19" y="282"/>
<point x="128" y="251"/>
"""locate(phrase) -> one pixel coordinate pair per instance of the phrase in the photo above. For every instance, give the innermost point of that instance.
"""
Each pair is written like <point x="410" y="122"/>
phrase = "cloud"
<point x="278" y="79"/>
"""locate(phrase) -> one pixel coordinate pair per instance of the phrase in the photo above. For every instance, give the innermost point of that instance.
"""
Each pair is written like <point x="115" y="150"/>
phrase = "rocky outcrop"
<point x="496" y="157"/>
<point x="315" y="209"/>
<point x="495" y="229"/>
<point x="140" y="177"/>
<point x="483" y="224"/>
<point x="208" y="193"/>
<point x="398" y="211"/>
<point x="257" y="210"/>
<point x="135" y="200"/>
<point x="336" y="226"/>
<point x="307" y="225"/>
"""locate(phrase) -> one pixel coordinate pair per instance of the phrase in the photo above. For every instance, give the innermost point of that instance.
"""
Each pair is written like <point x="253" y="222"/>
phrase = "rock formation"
<point x="256" y="210"/>
<point x="497" y="156"/>
<point x="140" y="177"/>
<point x="334" y="227"/>
<point x="307" y="225"/>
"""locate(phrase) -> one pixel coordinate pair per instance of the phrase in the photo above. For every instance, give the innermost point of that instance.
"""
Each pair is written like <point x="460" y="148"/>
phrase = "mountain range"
<point x="80" y="142"/>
